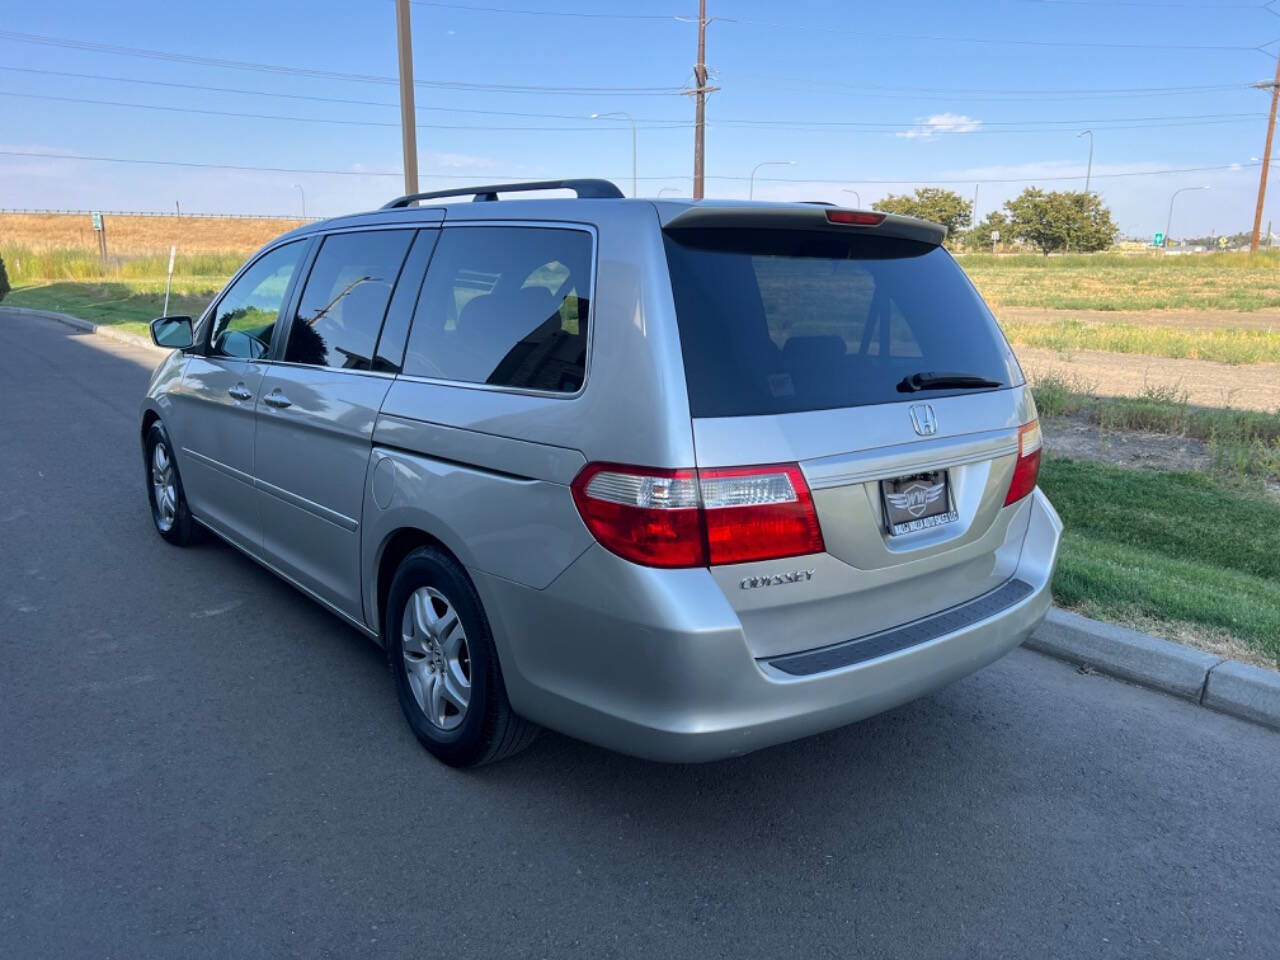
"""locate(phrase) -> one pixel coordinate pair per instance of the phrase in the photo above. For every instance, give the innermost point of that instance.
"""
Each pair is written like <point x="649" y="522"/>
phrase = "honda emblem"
<point x="923" y="420"/>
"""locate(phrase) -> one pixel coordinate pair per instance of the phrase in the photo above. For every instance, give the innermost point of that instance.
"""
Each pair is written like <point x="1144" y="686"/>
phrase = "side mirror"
<point x="172" y="332"/>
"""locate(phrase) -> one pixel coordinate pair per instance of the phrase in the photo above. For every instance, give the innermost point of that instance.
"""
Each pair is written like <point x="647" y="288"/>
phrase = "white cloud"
<point x="941" y="123"/>
<point x="458" y="161"/>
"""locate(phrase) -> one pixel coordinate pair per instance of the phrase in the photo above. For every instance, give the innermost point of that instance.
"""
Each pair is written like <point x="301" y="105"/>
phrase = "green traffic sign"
<point x="97" y="220"/>
<point x="1158" y="240"/>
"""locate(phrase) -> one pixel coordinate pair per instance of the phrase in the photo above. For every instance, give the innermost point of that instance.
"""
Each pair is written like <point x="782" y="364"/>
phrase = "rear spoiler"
<point x="787" y="217"/>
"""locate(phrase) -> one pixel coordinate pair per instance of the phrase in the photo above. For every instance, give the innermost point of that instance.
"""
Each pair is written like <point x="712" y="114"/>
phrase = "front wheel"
<point x="445" y="665"/>
<point x="169" y="509"/>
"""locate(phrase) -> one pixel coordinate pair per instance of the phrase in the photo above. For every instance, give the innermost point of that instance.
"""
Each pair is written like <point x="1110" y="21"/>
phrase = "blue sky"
<point x="856" y="94"/>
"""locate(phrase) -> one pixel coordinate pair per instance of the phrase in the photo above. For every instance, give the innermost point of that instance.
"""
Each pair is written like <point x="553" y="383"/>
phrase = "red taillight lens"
<point x="1027" y="468"/>
<point x="758" y="513"/>
<point x="645" y="515"/>
<point x="692" y="518"/>
<point x="857" y="218"/>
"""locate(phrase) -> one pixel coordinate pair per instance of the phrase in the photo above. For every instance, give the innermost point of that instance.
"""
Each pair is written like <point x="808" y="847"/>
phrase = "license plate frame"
<point x="917" y="501"/>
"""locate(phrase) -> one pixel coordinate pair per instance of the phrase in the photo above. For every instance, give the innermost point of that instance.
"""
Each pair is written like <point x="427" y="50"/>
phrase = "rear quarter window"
<point x="780" y="321"/>
<point x="505" y="306"/>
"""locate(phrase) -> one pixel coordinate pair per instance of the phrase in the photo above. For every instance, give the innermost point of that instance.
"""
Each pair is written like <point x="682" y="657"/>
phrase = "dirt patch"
<point x="1249" y="387"/>
<point x="1171" y="319"/>
<point x="1077" y="438"/>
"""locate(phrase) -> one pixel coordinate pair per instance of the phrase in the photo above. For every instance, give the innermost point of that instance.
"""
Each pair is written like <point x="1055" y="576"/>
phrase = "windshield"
<point x="779" y="321"/>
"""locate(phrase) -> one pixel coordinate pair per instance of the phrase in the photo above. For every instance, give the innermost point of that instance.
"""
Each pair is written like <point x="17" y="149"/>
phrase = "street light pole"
<point x="857" y="197"/>
<point x="620" y="113"/>
<point x="1169" y="222"/>
<point x="1089" y="170"/>
<point x="302" y="193"/>
<point x="408" y="116"/>
<point x="751" y="190"/>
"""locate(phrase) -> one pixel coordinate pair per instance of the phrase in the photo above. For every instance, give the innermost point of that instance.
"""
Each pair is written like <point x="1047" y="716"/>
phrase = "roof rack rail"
<point x="585" y="189"/>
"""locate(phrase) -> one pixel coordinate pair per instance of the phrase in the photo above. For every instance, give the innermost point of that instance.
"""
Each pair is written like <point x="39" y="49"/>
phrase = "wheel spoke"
<point x="455" y="643"/>
<point x="424" y="614"/>
<point x="455" y="687"/>
<point x="435" y="694"/>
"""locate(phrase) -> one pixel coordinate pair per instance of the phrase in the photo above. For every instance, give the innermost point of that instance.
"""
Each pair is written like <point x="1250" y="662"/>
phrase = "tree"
<point x="931" y="203"/>
<point x="4" y="280"/>
<point x="979" y="238"/>
<point x="1061" y="220"/>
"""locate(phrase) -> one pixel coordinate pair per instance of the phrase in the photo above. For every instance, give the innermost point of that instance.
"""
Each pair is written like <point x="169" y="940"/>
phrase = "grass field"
<point x="1168" y="551"/>
<point x="1222" y="344"/>
<point x="1244" y="444"/>
<point x="1216" y="281"/>
<point x="130" y="236"/>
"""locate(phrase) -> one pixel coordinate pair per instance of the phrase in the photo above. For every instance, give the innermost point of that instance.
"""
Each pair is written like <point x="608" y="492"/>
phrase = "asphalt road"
<point x="195" y="760"/>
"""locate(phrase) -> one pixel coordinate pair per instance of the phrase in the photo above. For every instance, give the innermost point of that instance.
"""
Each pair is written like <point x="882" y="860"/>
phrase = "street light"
<point x="1089" y="171"/>
<point x="302" y="193"/>
<point x="620" y="113"/>
<point x="675" y="190"/>
<point x="751" y="190"/>
<point x="857" y="198"/>
<point x="1169" y="222"/>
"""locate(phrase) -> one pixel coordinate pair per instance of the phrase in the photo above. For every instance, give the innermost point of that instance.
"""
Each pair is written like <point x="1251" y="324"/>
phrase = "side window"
<point x="507" y="306"/>
<point x="247" y="313"/>
<point x="346" y="295"/>
<point x="395" y="328"/>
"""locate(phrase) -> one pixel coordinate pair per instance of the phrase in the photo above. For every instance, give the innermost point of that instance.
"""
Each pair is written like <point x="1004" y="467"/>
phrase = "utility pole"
<point x="1088" y="174"/>
<point x="408" y="116"/>
<point x="1266" y="158"/>
<point x="700" y="111"/>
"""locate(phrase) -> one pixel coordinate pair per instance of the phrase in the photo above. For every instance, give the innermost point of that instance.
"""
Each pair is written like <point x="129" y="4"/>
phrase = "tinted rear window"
<point x="779" y="321"/>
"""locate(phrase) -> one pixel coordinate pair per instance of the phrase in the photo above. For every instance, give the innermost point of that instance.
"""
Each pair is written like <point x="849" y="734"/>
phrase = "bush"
<point x="4" y="280"/>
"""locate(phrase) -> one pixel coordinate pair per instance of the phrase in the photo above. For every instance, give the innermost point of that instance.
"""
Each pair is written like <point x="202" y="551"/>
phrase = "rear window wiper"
<point x="932" y="380"/>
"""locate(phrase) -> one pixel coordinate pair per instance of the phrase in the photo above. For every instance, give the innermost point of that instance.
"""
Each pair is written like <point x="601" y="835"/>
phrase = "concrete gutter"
<point x="89" y="327"/>
<point x="1227" y="686"/>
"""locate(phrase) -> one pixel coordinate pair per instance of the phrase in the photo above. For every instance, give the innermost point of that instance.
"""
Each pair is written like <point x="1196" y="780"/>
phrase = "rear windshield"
<point x="779" y="321"/>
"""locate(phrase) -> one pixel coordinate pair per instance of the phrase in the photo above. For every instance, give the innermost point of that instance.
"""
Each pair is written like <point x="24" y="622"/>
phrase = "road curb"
<point x="1245" y="691"/>
<point x="89" y="327"/>
<point x="1227" y="686"/>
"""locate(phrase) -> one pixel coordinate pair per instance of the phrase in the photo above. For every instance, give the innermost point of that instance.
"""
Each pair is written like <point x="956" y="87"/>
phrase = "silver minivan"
<point x="683" y="479"/>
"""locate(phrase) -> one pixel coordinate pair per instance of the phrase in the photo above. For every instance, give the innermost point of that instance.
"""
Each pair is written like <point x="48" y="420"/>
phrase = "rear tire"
<point x="169" y="511"/>
<point x="445" y="665"/>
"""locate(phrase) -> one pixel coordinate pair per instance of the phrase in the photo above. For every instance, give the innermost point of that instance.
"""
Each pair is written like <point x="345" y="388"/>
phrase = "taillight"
<point x="1028" y="466"/>
<point x="695" y="518"/>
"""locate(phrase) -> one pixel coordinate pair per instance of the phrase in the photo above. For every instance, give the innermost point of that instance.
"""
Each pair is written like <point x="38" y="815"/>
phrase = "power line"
<point x="47" y="155"/>
<point x="118" y="50"/>
<point x="672" y="125"/>
<point x="523" y="11"/>
<point x="862" y="126"/>
<point x="829" y="29"/>
<point x="1038" y="95"/>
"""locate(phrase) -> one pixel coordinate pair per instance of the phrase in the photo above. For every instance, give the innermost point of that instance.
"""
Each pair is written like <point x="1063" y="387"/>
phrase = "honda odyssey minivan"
<point x="683" y="479"/>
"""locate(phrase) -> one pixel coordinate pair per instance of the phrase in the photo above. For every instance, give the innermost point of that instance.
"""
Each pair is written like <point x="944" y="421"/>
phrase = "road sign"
<point x="1158" y="240"/>
<point x="1222" y="242"/>
<point x="169" y="282"/>
<point x="995" y="234"/>
<point x="97" y="221"/>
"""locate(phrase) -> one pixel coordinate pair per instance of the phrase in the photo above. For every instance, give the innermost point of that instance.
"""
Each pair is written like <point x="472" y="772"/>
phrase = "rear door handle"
<point x="277" y="399"/>
<point x="241" y="392"/>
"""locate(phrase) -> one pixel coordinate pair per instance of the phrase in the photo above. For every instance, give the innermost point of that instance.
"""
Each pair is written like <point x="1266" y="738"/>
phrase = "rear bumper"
<point x="654" y="662"/>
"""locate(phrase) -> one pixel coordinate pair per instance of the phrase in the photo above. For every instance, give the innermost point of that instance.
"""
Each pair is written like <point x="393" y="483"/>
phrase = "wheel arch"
<point x="395" y="546"/>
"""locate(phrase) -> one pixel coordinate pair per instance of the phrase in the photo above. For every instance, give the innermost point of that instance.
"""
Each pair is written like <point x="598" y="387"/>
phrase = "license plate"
<point x="917" y="502"/>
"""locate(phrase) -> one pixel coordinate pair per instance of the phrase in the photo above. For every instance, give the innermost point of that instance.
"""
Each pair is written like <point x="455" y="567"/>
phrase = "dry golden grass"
<point x="130" y="236"/>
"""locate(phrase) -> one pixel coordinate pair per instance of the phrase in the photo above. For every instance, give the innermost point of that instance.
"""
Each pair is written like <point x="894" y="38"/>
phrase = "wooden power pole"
<point x="408" y="115"/>
<point x="700" y="110"/>
<point x="1266" y="158"/>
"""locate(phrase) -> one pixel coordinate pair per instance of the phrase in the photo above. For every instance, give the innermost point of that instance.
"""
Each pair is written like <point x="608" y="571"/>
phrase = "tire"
<point x="445" y="665"/>
<point x="169" y="510"/>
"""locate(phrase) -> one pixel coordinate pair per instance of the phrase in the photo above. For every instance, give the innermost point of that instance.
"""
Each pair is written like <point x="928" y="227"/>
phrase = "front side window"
<point x="505" y="306"/>
<point x="347" y="292"/>
<point x="247" y="314"/>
